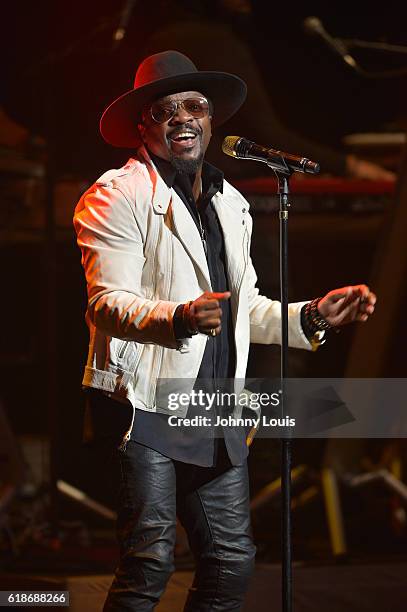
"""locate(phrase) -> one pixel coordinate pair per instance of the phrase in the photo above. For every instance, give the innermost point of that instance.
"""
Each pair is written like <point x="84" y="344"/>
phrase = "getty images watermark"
<point x="308" y="408"/>
<point x="217" y="401"/>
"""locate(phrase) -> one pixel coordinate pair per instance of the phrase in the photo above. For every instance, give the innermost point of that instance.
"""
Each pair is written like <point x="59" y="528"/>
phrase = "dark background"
<point x="59" y="68"/>
<point x="58" y="90"/>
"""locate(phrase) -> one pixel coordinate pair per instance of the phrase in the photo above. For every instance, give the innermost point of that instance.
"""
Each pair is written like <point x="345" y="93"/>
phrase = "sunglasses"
<point x="164" y="111"/>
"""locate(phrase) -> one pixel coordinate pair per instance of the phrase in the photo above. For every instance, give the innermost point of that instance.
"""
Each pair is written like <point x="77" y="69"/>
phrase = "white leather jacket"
<point x="142" y="256"/>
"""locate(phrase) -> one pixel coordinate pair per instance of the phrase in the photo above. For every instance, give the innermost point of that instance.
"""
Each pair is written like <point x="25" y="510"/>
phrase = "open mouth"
<point x="185" y="139"/>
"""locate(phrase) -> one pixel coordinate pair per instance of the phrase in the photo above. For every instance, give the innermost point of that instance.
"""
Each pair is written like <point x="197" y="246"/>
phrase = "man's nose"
<point x="181" y="115"/>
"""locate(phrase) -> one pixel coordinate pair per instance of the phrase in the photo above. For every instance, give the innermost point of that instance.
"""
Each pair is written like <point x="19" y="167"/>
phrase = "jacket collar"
<point x="163" y="174"/>
<point x="161" y="197"/>
<point x="212" y="177"/>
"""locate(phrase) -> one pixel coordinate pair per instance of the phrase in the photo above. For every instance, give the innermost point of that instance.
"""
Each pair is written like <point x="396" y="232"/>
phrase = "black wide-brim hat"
<point x="163" y="74"/>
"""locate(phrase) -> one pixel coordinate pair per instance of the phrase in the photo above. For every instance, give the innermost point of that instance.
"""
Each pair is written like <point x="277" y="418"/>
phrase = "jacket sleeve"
<point x="265" y="314"/>
<point x="112" y="256"/>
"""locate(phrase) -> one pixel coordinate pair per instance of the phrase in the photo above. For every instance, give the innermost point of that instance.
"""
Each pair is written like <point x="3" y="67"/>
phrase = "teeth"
<point x="185" y="135"/>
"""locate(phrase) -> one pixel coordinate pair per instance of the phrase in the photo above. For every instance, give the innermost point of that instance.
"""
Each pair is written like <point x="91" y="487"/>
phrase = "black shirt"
<point x="198" y="445"/>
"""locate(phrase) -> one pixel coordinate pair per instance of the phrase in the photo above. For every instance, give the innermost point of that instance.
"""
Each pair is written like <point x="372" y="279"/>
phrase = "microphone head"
<point x="313" y="25"/>
<point x="229" y="145"/>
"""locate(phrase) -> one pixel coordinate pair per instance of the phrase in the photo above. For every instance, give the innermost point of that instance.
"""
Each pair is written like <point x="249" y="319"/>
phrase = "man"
<point x="172" y="295"/>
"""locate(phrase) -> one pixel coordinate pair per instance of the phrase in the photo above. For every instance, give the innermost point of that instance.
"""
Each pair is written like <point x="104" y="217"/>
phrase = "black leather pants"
<point x="213" y="507"/>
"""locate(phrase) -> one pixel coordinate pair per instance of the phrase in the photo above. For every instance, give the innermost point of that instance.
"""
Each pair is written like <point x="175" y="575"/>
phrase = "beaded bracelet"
<point x="313" y="318"/>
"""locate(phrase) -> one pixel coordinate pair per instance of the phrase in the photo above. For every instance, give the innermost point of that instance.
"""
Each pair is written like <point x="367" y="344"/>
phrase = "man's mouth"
<point x="185" y="139"/>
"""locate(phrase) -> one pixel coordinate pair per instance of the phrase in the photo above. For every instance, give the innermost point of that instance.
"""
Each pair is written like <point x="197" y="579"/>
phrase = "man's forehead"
<point x="182" y="95"/>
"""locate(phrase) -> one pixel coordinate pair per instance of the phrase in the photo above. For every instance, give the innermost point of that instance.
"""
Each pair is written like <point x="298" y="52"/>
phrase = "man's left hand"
<point x="342" y="306"/>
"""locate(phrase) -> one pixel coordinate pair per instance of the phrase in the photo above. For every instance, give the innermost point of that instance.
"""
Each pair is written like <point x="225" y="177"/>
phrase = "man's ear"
<point x="141" y="130"/>
<point x="210" y="117"/>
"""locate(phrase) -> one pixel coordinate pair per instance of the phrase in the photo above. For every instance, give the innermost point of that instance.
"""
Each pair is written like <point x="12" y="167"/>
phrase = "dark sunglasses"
<point x="164" y="111"/>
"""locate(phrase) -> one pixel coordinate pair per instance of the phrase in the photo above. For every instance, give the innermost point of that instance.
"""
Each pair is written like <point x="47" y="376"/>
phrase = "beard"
<point x="186" y="166"/>
<point x="189" y="165"/>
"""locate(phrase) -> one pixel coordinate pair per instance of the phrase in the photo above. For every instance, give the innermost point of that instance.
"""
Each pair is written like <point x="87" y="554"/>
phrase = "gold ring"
<point x="212" y="332"/>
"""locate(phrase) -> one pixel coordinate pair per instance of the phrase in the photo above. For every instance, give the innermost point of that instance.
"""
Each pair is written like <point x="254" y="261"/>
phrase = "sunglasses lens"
<point x="197" y="107"/>
<point x="162" y="112"/>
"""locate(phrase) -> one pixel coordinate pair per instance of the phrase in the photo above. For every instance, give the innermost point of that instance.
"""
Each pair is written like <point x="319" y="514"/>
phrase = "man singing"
<point x="172" y="294"/>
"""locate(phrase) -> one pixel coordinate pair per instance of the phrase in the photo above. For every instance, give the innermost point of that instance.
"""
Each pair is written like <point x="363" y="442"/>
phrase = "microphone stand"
<point x="244" y="149"/>
<point x="374" y="45"/>
<point x="286" y="442"/>
<point x="355" y="43"/>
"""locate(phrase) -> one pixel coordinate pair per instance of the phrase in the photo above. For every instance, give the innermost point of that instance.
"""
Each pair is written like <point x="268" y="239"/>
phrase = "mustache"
<point x="182" y="128"/>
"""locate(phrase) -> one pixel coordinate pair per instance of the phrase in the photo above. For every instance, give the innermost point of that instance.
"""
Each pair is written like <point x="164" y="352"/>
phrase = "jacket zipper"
<point x="245" y="245"/>
<point x="203" y="235"/>
<point x="123" y="349"/>
<point x="123" y="445"/>
<point x="154" y="242"/>
<point x="156" y="366"/>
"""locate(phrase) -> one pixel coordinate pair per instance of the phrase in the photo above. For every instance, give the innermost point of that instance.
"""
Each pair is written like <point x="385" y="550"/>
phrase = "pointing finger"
<point x="219" y="296"/>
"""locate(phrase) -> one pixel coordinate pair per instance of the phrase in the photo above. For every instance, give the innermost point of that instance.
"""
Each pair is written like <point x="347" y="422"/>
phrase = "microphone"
<point x="123" y="22"/>
<point x="314" y="27"/>
<point x="241" y="148"/>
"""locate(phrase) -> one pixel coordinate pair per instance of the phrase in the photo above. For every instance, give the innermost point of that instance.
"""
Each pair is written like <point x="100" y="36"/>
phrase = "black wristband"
<point x="180" y="330"/>
<point x="182" y="322"/>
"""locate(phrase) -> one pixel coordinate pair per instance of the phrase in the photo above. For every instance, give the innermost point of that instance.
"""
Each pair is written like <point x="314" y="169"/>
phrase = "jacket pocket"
<point x="129" y="355"/>
<point x="123" y="349"/>
<point x="155" y="371"/>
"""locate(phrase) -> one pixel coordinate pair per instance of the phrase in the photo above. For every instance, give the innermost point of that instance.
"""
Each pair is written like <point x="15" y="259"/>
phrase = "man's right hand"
<point x="205" y="313"/>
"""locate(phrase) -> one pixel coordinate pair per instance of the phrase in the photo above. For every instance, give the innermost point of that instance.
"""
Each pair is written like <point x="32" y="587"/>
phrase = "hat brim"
<point x="118" y="124"/>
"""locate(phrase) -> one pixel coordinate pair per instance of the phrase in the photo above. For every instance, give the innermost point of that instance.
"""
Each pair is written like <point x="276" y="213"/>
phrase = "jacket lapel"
<point x="231" y="223"/>
<point x="182" y="222"/>
<point x="186" y="230"/>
